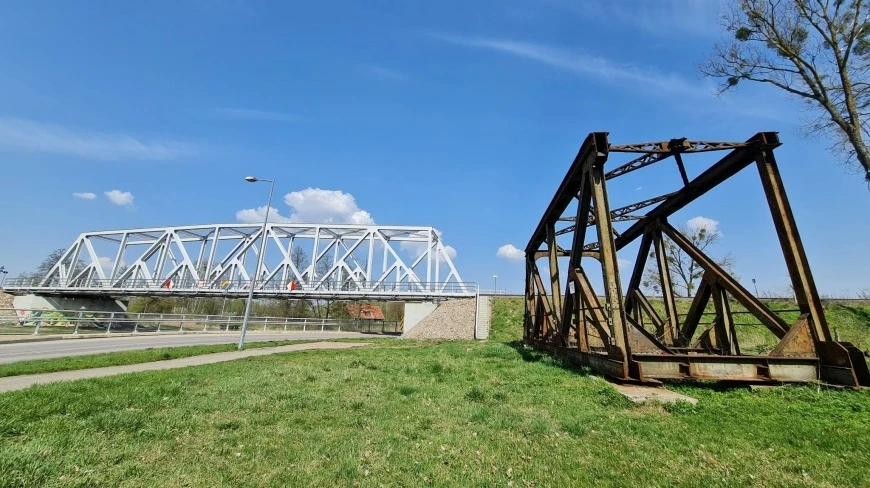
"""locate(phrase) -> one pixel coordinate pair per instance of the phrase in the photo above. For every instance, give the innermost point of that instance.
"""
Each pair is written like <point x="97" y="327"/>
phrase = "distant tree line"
<point x="265" y="307"/>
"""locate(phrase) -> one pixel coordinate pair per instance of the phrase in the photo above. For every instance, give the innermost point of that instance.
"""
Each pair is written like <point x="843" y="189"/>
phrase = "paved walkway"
<point x="13" y="383"/>
<point x="11" y="352"/>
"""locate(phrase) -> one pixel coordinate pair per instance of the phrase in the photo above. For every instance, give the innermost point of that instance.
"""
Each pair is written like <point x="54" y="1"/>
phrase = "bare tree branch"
<point x="815" y="50"/>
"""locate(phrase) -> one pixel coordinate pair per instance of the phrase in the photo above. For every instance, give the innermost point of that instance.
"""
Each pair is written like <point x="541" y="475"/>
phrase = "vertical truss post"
<point x="696" y="310"/>
<point x="726" y="335"/>
<point x="671" y="318"/>
<point x="609" y="264"/>
<point x="789" y="239"/>
<point x="555" y="283"/>
<point x="545" y="315"/>
<point x="118" y="257"/>
<point x="573" y="309"/>
<point x="682" y="168"/>
<point x="529" y="316"/>
<point x="637" y="272"/>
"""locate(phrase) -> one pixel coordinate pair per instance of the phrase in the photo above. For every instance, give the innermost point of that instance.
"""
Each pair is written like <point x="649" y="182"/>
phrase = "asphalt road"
<point x="21" y="351"/>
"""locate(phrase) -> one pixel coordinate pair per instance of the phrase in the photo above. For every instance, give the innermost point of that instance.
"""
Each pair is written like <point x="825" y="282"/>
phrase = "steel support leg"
<point x="789" y="239"/>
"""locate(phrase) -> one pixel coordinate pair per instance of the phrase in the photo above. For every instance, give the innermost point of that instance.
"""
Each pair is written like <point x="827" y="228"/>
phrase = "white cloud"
<point x="106" y="263"/>
<point x="694" y="95"/>
<point x="31" y="136"/>
<point x="256" y="215"/>
<point x="709" y="225"/>
<point x="415" y="249"/>
<point x="382" y="73"/>
<point x="261" y="115"/>
<point x="119" y="197"/>
<point x="621" y="262"/>
<point x="313" y="206"/>
<point x="586" y="65"/>
<point x="85" y="196"/>
<point x="450" y="251"/>
<point x="663" y="18"/>
<point x="316" y="206"/>
<point x="511" y="253"/>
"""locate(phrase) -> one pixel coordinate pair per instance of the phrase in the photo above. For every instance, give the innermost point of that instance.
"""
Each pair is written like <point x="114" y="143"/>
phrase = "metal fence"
<point x="34" y="322"/>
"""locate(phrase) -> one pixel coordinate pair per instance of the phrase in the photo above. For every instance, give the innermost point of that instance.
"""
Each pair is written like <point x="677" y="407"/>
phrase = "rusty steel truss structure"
<point x="622" y="335"/>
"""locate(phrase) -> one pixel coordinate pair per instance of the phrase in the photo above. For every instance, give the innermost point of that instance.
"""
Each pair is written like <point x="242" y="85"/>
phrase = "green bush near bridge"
<point x="414" y="413"/>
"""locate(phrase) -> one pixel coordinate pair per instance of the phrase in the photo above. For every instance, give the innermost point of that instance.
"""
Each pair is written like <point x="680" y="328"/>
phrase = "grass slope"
<point x="413" y="413"/>
<point x="850" y="322"/>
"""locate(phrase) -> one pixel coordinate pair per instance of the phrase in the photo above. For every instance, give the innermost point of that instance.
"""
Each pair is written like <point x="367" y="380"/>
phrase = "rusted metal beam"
<point x="696" y="310"/>
<point x="727" y="167"/>
<point x="594" y="149"/>
<point x="659" y="151"/>
<point x="803" y="284"/>
<point x="584" y="204"/>
<point x="555" y="282"/>
<point x="547" y="321"/>
<point x="609" y="264"/>
<point x="682" y="168"/>
<point x="571" y="325"/>
<point x="742" y="295"/>
<point x="591" y="303"/>
<point x="647" y="307"/>
<point x="672" y="322"/>
<point x="636" y="164"/>
<point x="676" y="145"/>
<point x="639" y="267"/>
<point x="726" y="335"/>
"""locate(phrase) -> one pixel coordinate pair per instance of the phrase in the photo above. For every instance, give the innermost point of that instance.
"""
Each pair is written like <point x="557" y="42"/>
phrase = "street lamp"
<point x="494" y="284"/>
<point x="4" y="273"/>
<point x="254" y="179"/>
<point x="756" y="286"/>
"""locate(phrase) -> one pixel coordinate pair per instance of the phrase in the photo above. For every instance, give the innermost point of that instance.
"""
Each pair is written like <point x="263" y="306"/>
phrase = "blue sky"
<point x="460" y="115"/>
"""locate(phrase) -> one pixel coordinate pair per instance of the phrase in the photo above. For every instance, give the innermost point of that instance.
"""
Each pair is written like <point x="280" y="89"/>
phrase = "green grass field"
<point x="38" y="366"/>
<point x="413" y="413"/>
<point x="850" y="321"/>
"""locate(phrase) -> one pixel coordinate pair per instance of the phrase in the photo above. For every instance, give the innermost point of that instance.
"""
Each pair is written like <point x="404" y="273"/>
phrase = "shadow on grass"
<point x="858" y="313"/>
<point x="532" y="355"/>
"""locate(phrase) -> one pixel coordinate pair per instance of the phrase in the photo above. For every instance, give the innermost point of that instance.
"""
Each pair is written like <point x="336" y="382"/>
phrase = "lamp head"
<point x="251" y="179"/>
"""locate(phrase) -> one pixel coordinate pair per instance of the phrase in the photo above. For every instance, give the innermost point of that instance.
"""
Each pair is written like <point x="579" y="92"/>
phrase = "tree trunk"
<point x="863" y="155"/>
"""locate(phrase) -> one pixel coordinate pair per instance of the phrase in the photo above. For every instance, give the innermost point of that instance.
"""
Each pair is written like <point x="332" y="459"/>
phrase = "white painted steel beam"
<point x="307" y="260"/>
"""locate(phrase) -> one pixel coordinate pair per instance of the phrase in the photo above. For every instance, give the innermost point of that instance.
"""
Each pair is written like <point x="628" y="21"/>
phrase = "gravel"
<point x="5" y="300"/>
<point x="453" y="319"/>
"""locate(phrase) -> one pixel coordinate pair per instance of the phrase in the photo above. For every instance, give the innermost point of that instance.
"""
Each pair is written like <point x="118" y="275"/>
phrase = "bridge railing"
<point x="74" y="322"/>
<point x="239" y="286"/>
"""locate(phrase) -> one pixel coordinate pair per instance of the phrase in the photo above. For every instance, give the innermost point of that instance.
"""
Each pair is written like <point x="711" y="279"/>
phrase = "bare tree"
<point x="299" y="258"/>
<point x="815" y="50"/>
<point x="48" y="263"/>
<point x="685" y="272"/>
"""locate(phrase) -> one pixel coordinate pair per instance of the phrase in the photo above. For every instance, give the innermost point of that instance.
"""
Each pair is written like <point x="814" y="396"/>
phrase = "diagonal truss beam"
<point x="311" y="257"/>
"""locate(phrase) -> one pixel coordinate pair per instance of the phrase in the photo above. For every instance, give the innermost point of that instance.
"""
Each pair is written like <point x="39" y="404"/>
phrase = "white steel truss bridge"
<point x="306" y="261"/>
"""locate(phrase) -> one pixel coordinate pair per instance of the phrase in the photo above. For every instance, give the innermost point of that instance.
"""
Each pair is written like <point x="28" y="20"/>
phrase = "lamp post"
<point x="254" y="179"/>
<point x="494" y="284"/>
<point x="4" y="273"/>
<point x="756" y="286"/>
